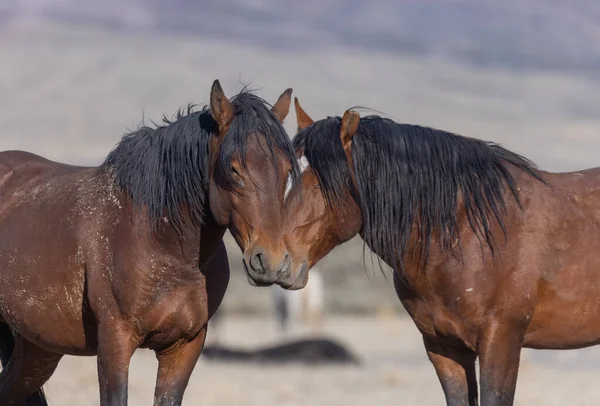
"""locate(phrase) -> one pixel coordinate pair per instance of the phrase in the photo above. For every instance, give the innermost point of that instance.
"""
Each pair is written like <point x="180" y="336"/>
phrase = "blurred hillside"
<point x="76" y="74"/>
<point x="536" y="34"/>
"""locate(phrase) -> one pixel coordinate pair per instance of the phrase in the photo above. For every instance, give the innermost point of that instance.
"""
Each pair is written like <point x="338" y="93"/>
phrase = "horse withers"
<point x="489" y="254"/>
<point x="102" y="261"/>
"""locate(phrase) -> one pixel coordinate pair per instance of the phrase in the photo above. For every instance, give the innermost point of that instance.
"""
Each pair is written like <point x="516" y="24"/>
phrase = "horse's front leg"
<point x="499" y="352"/>
<point x="175" y="366"/>
<point x="116" y="345"/>
<point x="456" y="372"/>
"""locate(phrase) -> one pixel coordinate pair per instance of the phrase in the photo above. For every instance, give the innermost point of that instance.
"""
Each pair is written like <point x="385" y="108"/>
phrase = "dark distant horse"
<point x="102" y="261"/>
<point x="489" y="254"/>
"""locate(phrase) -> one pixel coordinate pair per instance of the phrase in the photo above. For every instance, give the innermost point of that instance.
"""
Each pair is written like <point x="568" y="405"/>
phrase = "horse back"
<point x="577" y="194"/>
<point x="19" y="167"/>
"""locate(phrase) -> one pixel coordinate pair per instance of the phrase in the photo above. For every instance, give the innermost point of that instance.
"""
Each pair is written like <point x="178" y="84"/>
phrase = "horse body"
<point x="538" y="271"/>
<point x="27" y="286"/>
<point x="96" y="260"/>
<point x="489" y="253"/>
<point x="102" y="261"/>
<point x="568" y="261"/>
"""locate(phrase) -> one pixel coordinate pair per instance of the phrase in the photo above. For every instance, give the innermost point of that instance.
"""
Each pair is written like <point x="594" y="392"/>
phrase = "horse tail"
<point x="7" y="346"/>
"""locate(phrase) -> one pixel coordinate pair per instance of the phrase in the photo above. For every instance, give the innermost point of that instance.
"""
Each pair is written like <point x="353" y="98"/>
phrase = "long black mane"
<point x="411" y="176"/>
<point x="165" y="169"/>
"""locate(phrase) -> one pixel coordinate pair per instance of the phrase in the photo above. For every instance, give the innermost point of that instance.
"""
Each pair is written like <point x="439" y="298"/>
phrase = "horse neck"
<point x="192" y="241"/>
<point x="468" y="241"/>
<point x="211" y="234"/>
<point x="186" y="243"/>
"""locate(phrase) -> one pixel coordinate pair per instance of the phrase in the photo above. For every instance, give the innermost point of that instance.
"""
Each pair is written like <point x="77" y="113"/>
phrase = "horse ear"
<point x="349" y="126"/>
<point x="303" y="119"/>
<point x="281" y="108"/>
<point x="221" y="109"/>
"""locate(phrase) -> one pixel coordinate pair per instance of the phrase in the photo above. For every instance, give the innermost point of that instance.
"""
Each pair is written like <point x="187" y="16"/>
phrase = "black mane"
<point x="409" y="176"/>
<point x="166" y="169"/>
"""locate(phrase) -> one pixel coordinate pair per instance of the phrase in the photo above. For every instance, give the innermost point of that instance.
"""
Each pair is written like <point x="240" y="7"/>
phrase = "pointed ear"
<point x="304" y="119"/>
<point x="220" y="107"/>
<point x="349" y="126"/>
<point x="281" y="108"/>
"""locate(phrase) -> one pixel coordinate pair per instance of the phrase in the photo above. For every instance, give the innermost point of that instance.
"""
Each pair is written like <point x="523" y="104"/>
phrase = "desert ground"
<point x="394" y="371"/>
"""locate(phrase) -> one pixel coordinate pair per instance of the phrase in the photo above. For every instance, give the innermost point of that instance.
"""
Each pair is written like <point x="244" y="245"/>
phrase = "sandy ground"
<point x="394" y="371"/>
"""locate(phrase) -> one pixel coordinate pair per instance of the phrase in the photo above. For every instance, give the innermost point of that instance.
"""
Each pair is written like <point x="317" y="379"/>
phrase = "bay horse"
<point x="105" y="260"/>
<point x="489" y="254"/>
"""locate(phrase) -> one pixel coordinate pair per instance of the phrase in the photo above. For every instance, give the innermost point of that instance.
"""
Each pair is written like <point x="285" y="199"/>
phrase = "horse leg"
<point x="456" y="372"/>
<point x="499" y="352"/>
<point x="29" y="369"/>
<point x="115" y="348"/>
<point x="175" y="366"/>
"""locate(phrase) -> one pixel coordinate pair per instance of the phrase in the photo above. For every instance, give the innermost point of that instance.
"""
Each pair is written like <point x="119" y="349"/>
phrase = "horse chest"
<point x="421" y="313"/>
<point x="437" y="320"/>
<point x="179" y="314"/>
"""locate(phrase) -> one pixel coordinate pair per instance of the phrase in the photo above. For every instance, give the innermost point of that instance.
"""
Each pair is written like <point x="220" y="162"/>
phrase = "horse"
<point x="305" y="306"/>
<point x="104" y="260"/>
<point x="489" y="254"/>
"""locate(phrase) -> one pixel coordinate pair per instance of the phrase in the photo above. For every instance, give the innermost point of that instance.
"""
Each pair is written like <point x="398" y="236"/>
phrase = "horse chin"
<point x="299" y="282"/>
<point x="251" y="280"/>
<point x="259" y="284"/>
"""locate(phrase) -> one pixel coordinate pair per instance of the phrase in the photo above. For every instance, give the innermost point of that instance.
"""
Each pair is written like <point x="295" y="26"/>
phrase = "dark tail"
<point x="7" y="345"/>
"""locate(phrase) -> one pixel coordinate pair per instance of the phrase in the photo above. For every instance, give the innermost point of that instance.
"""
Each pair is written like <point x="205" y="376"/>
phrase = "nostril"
<point x="257" y="261"/>
<point x="261" y="262"/>
<point x="285" y="264"/>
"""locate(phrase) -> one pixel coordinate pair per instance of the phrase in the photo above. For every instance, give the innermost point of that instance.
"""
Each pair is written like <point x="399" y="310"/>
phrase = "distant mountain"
<point x="511" y="34"/>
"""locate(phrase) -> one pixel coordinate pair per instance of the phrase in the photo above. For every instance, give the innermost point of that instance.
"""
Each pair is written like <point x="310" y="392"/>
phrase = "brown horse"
<point x="102" y="261"/>
<point x="489" y="254"/>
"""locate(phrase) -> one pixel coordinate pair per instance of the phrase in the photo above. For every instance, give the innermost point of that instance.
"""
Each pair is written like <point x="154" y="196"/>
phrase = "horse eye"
<point x="237" y="176"/>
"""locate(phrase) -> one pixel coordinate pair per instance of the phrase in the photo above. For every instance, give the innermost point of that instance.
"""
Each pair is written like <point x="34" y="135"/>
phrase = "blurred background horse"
<point x="291" y="309"/>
